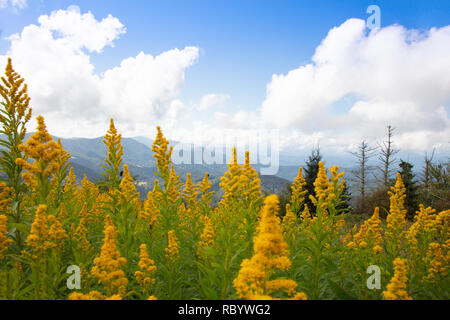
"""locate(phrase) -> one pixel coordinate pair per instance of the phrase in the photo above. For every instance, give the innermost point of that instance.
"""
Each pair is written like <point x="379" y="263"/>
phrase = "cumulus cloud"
<point x="16" y="4"/>
<point x="211" y="100"/>
<point x="397" y="76"/>
<point x="54" y="57"/>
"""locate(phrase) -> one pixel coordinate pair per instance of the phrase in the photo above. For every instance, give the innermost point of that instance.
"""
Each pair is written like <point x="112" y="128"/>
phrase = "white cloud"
<point x="54" y="58"/>
<point x="211" y="100"/>
<point x="398" y="76"/>
<point x="16" y="4"/>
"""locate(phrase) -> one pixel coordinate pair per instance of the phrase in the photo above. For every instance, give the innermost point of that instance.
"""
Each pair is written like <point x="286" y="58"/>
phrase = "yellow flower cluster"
<point x="174" y="185"/>
<point x="40" y="147"/>
<point x="4" y="241"/>
<point x="396" y="219"/>
<point x="147" y="268"/>
<point x="93" y="295"/>
<point x="241" y="184"/>
<point x="207" y="236"/>
<point x="298" y="192"/>
<point x="172" y="250"/>
<point x="162" y="154"/>
<point x="202" y="188"/>
<point x="107" y="267"/>
<point x="115" y="152"/>
<point x="4" y="196"/>
<point x="323" y="189"/>
<point x="250" y="182"/>
<point x="289" y="220"/>
<point x="370" y="234"/>
<point x="38" y="239"/>
<point x="189" y="192"/>
<point x="56" y="233"/>
<point x="80" y="236"/>
<point x="438" y="262"/>
<point x="128" y="193"/>
<point x="230" y="181"/>
<point x="14" y="94"/>
<point x="150" y="210"/>
<point x="397" y="289"/>
<point x="270" y="254"/>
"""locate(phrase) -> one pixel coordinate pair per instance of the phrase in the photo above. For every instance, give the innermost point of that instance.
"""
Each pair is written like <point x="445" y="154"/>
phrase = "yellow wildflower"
<point x="112" y="140"/>
<point x="107" y="267"/>
<point x="370" y="232"/>
<point x="56" y="232"/>
<point x="438" y="264"/>
<point x="189" y="194"/>
<point x="162" y="154"/>
<point x="397" y="289"/>
<point x="270" y="254"/>
<point x="172" y="250"/>
<point x="4" y="241"/>
<point x="207" y="237"/>
<point x="298" y="192"/>
<point x="396" y="219"/>
<point x="38" y="239"/>
<point x="147" y="268"/>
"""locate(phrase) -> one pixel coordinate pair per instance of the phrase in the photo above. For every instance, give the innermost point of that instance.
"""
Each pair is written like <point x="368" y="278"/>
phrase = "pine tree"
<point x="408" y="177"/>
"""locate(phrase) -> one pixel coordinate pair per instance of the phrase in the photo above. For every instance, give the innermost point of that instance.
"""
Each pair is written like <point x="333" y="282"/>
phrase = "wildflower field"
<point x="176" y="245"/>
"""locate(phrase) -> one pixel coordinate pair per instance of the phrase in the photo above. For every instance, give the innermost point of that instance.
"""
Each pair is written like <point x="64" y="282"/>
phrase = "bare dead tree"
<point x="386" y="157"/>
<point x="363" y="155"/>
<point x="427" y="173"/>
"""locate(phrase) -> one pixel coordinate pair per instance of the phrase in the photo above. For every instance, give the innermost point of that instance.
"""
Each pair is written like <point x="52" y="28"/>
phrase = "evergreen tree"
<point x="346" y="197"/>
<point x="408" y="177"/>
<point x="311" y="169"/>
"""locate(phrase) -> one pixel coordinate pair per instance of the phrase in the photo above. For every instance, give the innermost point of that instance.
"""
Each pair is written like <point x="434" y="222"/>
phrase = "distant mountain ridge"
<point x="88" y="155"/>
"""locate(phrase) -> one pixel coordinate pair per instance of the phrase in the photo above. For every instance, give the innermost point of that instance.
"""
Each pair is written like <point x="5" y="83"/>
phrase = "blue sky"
<point x="241" y="43"/>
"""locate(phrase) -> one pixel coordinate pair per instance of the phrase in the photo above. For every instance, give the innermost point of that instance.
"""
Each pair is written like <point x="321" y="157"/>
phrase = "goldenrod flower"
<point x="202" y="189"/>
<point x="150" y="211"/>
<point x="438" y="263"/>
<point x="173" y="187"/>
<point x="289" y="220"/>
<point x="128" y="193"/>
<point x="208" y="235"/>
<point x="93" y="295"/>
<point x="397" y="289"/>
<point x="162" y="154"/>
<point x="370" y="233"/>
<point x="107" y="267"/>
<point x="250" y="183"/>
<point x="112" y="140"/>
<point x="172" y="250"/>
<point x="189" y="194"/>
<point x="45" y="152"/>
<point x="14" y="94"/>
<point x="323" y="189"/>
<point x="147" y="268"/>
<point x="270" y="254"/>
<point x="80" y="236"/>
<point x="4" y="241"/>
<point x="298" y="192"/>
<point x="230" y="181"/>
<point x="56" y="232"/>
<point x="38" y="239"/>
<point x="5" y="197"/>
<point x="396" y="219"/>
